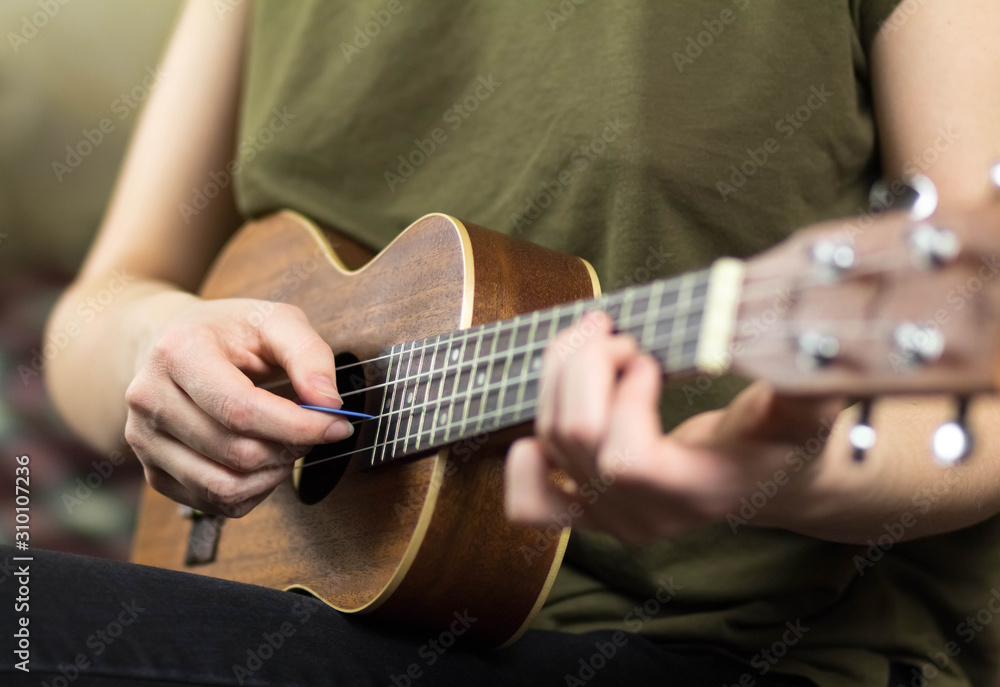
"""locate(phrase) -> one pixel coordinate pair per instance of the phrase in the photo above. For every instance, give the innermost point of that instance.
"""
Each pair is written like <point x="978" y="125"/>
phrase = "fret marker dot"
<point x="480" y="378"/>
<point x="409" y="397"/>
<point x="454" y="355"/>
<point x="536" y="363"/>
<point x="441" y="419"/>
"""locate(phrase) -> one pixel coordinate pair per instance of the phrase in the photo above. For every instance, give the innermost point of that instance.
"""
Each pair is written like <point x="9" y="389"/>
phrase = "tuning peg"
<point x="919" y="344"/>
<point x="862" y="435"/>
<point x="952" y="441"/>
<point x="932" y="246"/>
<point x="817" y="349"/>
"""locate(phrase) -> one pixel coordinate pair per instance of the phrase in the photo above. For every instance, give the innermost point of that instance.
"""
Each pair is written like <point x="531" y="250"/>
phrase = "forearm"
<point x="833" y="497"/>
<point x="93" y="339"/>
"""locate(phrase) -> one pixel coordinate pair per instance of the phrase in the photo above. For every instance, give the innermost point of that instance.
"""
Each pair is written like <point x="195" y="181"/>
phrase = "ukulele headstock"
<point x="909" y="303"/>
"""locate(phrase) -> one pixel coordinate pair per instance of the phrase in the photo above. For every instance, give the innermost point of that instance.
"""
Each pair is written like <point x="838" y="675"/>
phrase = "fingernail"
<point x="338" y="431"/>
<point x="325" y="386"/>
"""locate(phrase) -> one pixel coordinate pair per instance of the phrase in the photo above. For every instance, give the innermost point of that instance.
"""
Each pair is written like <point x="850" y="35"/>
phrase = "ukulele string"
<point x="481" y="417"/>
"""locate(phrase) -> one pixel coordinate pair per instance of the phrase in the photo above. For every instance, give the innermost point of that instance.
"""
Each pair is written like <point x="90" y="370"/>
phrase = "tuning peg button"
<point x="932" y="246"/>
<point x="817" y="349"/>
<point x="919" y="344"/>
<point x="832" y="259"/>
<point x="952" y="441"/>
<point x="862" y="435"/>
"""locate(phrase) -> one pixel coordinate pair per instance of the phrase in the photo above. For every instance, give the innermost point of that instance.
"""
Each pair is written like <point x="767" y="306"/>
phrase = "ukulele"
<point x="439" y="337"/>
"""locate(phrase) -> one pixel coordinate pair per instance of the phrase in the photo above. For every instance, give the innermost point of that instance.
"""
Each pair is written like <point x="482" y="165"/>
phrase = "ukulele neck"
<point x="466" y="383"/>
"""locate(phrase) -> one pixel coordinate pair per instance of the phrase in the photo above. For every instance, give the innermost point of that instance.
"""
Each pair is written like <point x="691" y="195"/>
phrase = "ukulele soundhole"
<point x="319" y="475"/>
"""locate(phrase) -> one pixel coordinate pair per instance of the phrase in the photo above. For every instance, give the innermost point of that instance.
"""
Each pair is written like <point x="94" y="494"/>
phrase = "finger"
<point x="530" y="496"/>
<point x="177" y="415"/>
<point x="556" y="358"/>
<point x="586" y="392"/>
<point x="226" y="394"/>
<point x="634" y="425"/>
<point x="289" y="340"/>
<point x="219" y="489"/>
<point x="162" y="482"/>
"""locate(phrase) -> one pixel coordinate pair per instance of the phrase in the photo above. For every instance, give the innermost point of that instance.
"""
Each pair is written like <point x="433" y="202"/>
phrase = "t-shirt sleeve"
<point x="870" y="15"/>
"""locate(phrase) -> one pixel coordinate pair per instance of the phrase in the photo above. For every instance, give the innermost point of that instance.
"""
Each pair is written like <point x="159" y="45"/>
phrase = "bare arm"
<point x="152" y="362"/>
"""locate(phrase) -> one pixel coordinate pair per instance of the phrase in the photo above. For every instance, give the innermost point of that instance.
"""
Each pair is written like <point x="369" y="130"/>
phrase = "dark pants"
<point x="98" y="622"/>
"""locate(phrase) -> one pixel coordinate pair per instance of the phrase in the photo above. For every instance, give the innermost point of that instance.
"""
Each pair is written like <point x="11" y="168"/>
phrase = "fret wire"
<point x="472" y="376"/>
<point x="507" y="364"/>
<point x="406" y="396"/>
<point x="519" y="408"/>
<point x="458" y="378"/>
<point x="385" y="394"/>
<point x="489" y="375"/>
<point x="627" y="303"/>
<point x="684" y="295"/>
<point x="628" y="328"/>
<point x="528" y="361"/>
<point x="651" y="317"/>
<point x="437" y="409"/>
<point x="695" y="328"/>
<point x="399" y="412"/>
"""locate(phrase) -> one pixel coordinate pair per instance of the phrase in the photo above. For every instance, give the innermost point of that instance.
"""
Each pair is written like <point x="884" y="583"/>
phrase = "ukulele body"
<point x="418" y="539"/>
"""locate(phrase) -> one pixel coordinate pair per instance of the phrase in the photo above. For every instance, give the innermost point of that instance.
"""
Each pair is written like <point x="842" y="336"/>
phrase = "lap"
<point x="94" y="621"/>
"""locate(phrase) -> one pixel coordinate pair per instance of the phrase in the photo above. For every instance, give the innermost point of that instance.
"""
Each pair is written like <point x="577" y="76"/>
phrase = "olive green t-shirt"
<point x="649" y="138"/>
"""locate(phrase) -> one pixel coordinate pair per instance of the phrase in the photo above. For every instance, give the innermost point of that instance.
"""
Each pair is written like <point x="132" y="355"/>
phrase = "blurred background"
<point x="65" y="65"/>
